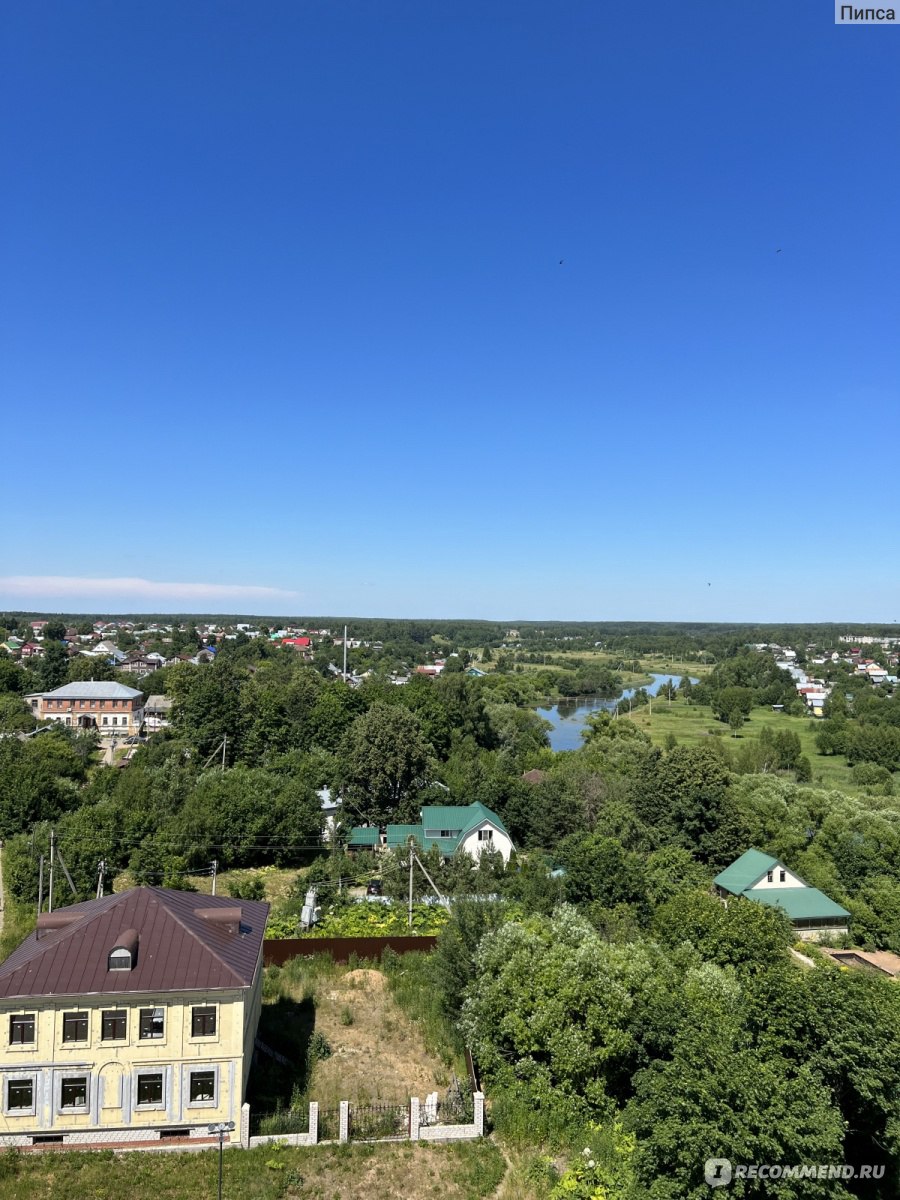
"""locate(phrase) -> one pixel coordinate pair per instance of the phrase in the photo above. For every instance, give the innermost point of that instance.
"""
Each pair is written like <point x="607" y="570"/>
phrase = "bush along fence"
<point x="455" y="1119"/>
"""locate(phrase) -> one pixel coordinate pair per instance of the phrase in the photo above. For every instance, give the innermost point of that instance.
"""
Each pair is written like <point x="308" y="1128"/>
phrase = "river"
<point x="568" y="717"/>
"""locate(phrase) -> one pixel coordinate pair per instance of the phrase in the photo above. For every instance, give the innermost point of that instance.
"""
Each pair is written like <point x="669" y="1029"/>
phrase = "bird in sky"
<point x="777" y="251"/>
<point x="561" y="261"/>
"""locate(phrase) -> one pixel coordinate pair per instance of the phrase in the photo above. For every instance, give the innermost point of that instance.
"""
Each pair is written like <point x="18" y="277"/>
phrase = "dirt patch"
<point x="369" y="980"/>
<point x="378" y="1055"/>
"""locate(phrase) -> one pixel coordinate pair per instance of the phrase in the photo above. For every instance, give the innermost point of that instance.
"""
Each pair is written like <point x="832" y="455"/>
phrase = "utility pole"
<point x="411" y="861"/>
<point x="41" y="885"/>
<point x="345" y="653"/>
<point x="52" y="856"/>
<point x="224" y="744"/>
<point x="215" y="867"/>
<point x="101" y="871"/>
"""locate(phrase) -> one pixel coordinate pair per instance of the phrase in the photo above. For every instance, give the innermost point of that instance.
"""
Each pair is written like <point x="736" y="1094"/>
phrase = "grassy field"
<point x="405" y="1171"/>
<point x="693" y="724"/>
<point x="277" y="881"/>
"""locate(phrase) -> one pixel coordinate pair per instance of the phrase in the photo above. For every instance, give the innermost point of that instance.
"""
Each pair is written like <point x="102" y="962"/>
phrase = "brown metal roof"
<point x="178" y="949"/>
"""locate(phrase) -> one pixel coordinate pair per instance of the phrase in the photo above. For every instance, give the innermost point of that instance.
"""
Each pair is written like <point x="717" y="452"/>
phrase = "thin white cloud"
<point x="67" y="586"/>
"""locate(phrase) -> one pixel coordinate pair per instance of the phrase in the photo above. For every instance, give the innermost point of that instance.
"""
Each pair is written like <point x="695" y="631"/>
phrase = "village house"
<point x="111" y="708"/>
<point x="453" y="828"/>
<point x="130" y="1018"/>
<point x="760" y="877"/>
<point x="157" y="712"/>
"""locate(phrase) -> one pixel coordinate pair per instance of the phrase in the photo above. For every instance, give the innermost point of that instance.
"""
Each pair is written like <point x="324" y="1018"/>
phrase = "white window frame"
<point x="161" y="1104"/>
<point x="197" y="1069"/>
<point x="70" y="1109"/>
<point x="14" y="1076"/>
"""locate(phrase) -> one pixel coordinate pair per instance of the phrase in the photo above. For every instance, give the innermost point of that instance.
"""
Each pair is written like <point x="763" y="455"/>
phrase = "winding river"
<point x="568" y="716"/>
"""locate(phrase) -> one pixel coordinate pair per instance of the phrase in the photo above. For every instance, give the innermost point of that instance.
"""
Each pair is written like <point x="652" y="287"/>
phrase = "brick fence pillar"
<point x="245" y="1126"/>
<point x="479" y="1113"/>
<point x="344" y="1124"/>
<point x="313" y="1122"/>
<point x="414" y="1118"/>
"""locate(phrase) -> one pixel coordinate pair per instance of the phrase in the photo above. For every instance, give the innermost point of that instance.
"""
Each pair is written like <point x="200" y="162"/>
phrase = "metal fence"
<point x="278" y="951"/>
<point x="329" y="1124"/>
<point x="457" y="1107"/>
<point x="371" y="1121"/>
<point x="283" y="1120"/>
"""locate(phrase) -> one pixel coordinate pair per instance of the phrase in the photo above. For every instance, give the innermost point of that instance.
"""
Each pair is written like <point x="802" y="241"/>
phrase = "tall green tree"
<point x="384" y="764"/>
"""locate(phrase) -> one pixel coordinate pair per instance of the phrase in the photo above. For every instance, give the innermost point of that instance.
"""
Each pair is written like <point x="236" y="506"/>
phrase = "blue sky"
<point x="284" y="327"/>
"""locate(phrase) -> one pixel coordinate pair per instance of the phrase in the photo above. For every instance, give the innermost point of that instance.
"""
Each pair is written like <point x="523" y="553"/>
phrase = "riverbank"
<point x="568" y="715"/>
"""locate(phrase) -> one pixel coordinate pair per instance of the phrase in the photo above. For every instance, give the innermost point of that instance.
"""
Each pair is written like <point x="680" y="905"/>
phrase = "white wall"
<point x="790" y="880"/>
<point x="499" y="842"/>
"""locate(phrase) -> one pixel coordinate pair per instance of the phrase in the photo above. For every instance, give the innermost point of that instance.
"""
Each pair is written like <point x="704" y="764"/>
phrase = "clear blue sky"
<point x="282" y="308"/>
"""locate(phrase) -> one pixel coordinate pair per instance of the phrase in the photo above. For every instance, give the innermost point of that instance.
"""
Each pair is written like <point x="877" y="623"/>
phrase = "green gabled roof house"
<point x="453" y="828"/>
<point x="767" y="880"/>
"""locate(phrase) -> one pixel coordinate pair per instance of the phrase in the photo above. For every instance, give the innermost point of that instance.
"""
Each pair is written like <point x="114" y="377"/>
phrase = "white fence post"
<point x="479" y="1114"/>
<point x="414" y="1119"/>
<point x="245" y="1126"/>
<point x="313" y="1122"/>
<point x="344" y="1125"/>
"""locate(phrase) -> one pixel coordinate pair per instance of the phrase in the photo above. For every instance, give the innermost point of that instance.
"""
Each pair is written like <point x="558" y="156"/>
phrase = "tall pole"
<point x="215" y="867"/>
<point x="345" y="652"/>
<point x="41" y="885"/>
<point x="52" y="856"/>
<point x="411" y="861"/>
<point x="224" y="744"/>
<point x="221" y="1155"/>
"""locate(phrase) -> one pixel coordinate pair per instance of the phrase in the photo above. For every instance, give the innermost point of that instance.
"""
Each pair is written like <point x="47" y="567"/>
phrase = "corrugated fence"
<point x="277" y="951"/>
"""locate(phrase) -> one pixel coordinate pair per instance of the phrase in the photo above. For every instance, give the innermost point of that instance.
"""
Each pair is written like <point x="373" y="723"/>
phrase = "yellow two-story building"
<point x="130" y="1018"/>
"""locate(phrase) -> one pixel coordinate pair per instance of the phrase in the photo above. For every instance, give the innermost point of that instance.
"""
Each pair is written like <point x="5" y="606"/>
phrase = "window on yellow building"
<point x="73" y="1091"/>
<point x="21" y="1029"/>
<point x="202" y="1088"/>
<point x="114" y="1025"/>
<point x="150" y="1088"/>
<point x="75" y="1027"/>
<point x="20" y="1095"/>
<point x="203" y="1021"/>
<point x="152" y="1023"/>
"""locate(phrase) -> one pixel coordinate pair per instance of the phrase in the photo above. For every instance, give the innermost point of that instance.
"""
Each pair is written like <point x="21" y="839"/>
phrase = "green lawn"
<point x="405" y="1171"/>
<point x="694" y="724"/>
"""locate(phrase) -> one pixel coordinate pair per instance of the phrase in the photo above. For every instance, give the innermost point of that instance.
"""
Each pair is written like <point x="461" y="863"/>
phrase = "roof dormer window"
<point x="123" y="955"/>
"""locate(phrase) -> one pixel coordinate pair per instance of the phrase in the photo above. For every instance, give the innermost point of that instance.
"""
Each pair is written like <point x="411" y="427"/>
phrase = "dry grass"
<point x="277" y="881"/>
<point x="378" y="1054"/>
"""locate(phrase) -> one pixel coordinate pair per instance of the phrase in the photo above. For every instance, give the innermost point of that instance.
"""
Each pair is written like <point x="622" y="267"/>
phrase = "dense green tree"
<point x="384" y="764"/>
<point x="53" y="668"/>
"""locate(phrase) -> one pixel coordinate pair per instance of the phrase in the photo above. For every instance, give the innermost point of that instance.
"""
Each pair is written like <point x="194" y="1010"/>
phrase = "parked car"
<point x="373" y="888"/>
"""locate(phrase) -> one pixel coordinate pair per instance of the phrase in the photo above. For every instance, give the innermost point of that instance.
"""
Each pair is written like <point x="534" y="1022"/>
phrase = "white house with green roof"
<point x="767" y="880"/>
<point x="454" y="828"/>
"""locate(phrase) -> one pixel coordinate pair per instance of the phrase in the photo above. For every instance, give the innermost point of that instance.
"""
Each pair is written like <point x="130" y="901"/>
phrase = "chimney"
<point x="226" y="919"/>
<point x="56" y="920"/>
